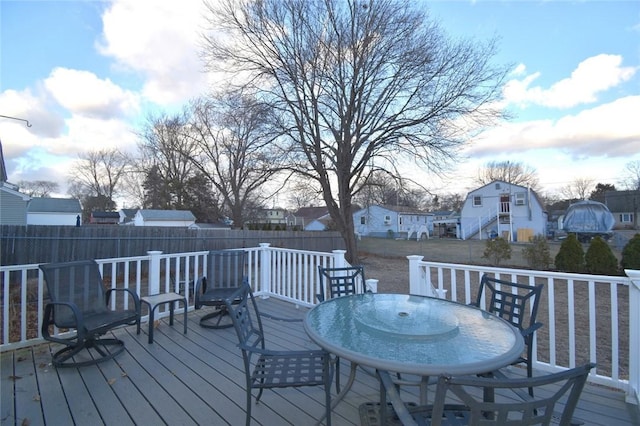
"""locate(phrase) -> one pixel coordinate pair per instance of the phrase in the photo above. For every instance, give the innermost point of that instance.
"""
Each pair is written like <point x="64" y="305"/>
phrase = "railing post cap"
<point x="415" y="257"/>
<point x="264" y="244"/>
<point x="338" y="251"/>
<point x="150" y="252"/>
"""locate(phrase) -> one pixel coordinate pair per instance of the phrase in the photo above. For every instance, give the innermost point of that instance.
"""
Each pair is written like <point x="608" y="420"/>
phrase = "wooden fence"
<point x="43" y="244"/>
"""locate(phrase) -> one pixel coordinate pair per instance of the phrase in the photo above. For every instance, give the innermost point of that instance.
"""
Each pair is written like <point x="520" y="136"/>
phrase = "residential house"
<point x="624" y="206"/>
<point x="54" y="211"/>
<point x="104" y="218"/>
<point x="270" y="217"/>
<point x="393" y="221"/>
<point x="178" y="218"/>
<point x="13" y="204"/>
<point x="502" y="209"/>
<point x="309" y="219"/>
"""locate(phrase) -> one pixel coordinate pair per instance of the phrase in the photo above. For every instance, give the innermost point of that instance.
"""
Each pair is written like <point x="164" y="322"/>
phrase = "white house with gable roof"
<point x="502" y="209"/>
<point x="177" y="218"/>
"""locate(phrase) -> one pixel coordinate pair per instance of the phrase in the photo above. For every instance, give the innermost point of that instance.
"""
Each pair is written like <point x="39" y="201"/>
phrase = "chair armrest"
<point x="197" y="291"/>
<point x="133" y="294"/>
<point x="531" y="329"/>
<point x="289" y="354"/>
<point x="49" y="320"/>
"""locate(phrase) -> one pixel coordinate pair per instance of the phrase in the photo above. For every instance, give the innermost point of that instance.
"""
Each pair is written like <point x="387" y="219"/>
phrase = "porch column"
<point x="154" y="271"/>
<point x="264" y="284"/>
<point x="633" y="394"/>
<point x="415" y="283"/>
<point x="338" y="259"/>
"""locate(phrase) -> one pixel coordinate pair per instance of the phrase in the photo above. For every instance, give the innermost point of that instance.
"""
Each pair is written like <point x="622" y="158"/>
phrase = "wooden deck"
<point x="197" y="378"/>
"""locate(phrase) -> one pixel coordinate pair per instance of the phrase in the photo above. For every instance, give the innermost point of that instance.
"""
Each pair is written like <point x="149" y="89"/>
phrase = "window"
<point x="477" y="201"/>
<point x="626" y="217"/>
<point x="387" y="220"/>
<point x="521" y="198"/>
<point x="363" y="220"/>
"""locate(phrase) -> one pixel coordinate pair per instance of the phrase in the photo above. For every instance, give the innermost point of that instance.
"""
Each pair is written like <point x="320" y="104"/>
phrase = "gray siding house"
<point x="13" y="205"/>
<point x="624" y="206"/>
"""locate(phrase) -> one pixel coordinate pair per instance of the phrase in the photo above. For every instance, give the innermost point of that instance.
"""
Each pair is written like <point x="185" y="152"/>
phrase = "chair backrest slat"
<point x="510" y="300"/>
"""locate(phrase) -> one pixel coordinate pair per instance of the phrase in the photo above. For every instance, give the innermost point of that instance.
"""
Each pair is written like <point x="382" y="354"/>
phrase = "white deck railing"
<point x="608" y="333"/>
<point x="586" y="317"/>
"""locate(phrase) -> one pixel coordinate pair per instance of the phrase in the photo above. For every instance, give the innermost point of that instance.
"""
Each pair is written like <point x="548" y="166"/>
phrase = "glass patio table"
<point x="417" y="335"/>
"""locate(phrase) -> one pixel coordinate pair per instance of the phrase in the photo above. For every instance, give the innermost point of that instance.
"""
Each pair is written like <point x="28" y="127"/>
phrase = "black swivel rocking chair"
<point x="79" y="303"/>
<point x="224" y="275"/>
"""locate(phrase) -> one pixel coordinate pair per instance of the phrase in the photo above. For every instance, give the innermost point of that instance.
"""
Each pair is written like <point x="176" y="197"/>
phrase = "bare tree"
<point x="631" y="176"/>
<point x="95" y="178"/>
<point x="353" y="81"/>
<point x="166" y="164"/>
<point x="578" y="189"/>
<point x="235" y="150"/>
<point x="38" y="188"/>
<point x="513" y="172"/>
<point x="303" y="193"/>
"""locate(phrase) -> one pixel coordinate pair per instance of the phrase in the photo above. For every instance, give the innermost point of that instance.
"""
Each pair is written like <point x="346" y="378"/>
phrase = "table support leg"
<point x="389" y="389"/>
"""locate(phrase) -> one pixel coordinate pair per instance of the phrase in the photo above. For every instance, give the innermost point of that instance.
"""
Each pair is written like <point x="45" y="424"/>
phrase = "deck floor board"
<point x="198" y="378"/>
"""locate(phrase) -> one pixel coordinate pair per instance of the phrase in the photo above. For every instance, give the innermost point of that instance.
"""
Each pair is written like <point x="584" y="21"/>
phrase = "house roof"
<point x="54" y="205"/>
<point x="405" y="210"/>
<point x="311" y="212"/>
<point x="622" y="201"/>
<point x="106" y="215"/>
<point x="526" y="188"/>
<point x="166" y="215"/>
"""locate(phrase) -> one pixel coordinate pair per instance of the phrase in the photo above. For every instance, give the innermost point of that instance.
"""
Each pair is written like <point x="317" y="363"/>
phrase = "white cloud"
<point x="44" y="120"/>
<point x="82" y="92"/>
<point x="591" y="77"/>
<point x="611" y="130"/>
<point x="160" y="40"/>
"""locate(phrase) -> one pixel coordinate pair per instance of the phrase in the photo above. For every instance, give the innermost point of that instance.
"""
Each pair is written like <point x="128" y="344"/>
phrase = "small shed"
<point x="177" y="218"/>
<point x="54" y="211"/>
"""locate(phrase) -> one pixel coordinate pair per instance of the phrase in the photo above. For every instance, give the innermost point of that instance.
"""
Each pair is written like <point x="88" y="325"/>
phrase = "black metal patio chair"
<point x="340" y="281"/>
<point x="516" y="303"/>
<point x="555" y="405"/>
<point x="79" y="303"/>
<point x="266" y="368"/>
<point x="225" y="273"/>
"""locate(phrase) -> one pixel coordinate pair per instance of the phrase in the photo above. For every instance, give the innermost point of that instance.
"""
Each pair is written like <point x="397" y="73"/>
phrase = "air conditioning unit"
<point x="387" y="222"/>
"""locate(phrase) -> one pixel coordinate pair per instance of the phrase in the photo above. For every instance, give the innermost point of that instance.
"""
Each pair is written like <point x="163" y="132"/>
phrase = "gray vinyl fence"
<point x="44" y="244"/>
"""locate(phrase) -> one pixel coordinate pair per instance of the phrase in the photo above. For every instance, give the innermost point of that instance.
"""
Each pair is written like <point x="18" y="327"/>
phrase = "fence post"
<point x="265" y="269"/>
<point x="415" y="283"/>
<point x="338" y="258"/>
<point x="154" y="271"/>
<point x="633" y="393"/>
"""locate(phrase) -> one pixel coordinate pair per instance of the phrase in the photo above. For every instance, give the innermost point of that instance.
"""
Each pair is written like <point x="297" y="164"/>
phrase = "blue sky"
<point x="85" y="73"/>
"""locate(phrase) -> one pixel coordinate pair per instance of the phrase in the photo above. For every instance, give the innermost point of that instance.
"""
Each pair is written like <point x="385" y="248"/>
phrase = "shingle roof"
<point x="167" y="215"/>
<point x="622" y="201"/>
<point x="54" y="205"/>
